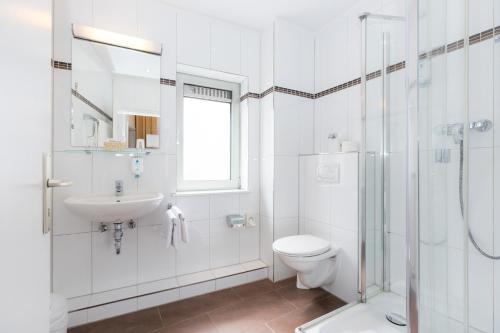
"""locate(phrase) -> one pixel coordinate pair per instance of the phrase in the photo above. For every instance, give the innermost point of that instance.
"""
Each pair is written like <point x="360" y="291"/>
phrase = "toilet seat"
<point x="301" y="246"/>
<point x="313" y="258"/>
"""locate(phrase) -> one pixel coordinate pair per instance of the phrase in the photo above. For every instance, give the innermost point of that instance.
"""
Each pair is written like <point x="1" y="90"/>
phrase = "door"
<point x="25" y="102"/>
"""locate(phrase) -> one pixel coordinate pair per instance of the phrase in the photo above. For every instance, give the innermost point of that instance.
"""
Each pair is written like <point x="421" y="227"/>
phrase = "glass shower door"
<point x="383" y="166"/>
<point x="441" y="103"/>
<point x="458" y="77"/>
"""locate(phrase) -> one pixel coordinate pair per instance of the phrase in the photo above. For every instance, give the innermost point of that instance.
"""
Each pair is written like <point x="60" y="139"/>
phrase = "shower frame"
<point x="362" y="280"/>
<point x="412" y="164"/>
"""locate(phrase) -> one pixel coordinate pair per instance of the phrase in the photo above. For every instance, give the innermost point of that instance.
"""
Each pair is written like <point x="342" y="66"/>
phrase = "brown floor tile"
<point x="200" y="324"/>
<point x="259" y="307"/>
<point x="261" y="287"/>
<point x="254" y="289"/>
<point x="250" y="313"/>
<point x="288" y="322"/>
<point x="286" y="283"/>
<point x="143" y="321"/>
<point x="177" y="312"/>
<point x="302" y="297"/>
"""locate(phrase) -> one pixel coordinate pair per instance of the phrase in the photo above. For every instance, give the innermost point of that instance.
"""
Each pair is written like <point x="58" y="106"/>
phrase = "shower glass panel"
<point x="383" y="159"/>
<point x="458" y="174"/>
<point x="441" y="103"/>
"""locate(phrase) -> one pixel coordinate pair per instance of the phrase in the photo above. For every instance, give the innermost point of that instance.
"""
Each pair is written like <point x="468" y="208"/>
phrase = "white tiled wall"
<point x="72" y="263"/>
<point x="162" y="292"/>
<point x="195" y="32"/>
<point x="154" y="261"/>
<point x="287" y="124"/>
<point x="85" y="267"/>
<point x="340" y="112"/>
<point x="293" y="56"/>
<point x="111" y="271"/>
<point x="330" y="211"/>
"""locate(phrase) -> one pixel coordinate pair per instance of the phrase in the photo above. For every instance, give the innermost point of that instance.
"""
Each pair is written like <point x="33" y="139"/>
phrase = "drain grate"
<point x="396" y="319"/>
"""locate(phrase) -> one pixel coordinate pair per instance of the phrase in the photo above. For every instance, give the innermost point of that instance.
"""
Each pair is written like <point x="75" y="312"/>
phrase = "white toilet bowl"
<point x="58" y="314"/>
<point x="312" y="257"/>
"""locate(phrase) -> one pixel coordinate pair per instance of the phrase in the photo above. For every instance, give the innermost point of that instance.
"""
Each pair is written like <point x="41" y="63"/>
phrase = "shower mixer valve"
<point x="456" y="130"/>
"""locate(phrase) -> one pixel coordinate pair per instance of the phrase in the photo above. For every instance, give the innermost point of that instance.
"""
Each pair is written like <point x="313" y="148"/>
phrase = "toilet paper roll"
<point x="333" y="146"/>
<point x="349" y="146"/>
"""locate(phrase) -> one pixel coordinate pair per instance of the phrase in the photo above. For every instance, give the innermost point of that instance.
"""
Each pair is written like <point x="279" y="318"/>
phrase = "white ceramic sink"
<point x="112" y="208"/>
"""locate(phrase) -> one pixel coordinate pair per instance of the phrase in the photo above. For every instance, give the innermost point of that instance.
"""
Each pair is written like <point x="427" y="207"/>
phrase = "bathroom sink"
<point x="112" y="208"/>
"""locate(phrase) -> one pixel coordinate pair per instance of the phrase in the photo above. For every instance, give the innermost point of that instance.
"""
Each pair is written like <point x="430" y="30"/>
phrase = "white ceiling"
<point x="259" y="14"/>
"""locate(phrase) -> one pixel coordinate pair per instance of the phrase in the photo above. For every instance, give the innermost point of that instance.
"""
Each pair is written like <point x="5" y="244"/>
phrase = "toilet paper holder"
<point x="236" y="221"/>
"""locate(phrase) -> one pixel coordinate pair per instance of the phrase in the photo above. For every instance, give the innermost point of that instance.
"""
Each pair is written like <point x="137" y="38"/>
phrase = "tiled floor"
<point x="259" y="307"/>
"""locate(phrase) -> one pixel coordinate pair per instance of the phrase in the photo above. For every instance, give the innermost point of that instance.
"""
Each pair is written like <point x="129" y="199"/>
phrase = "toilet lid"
<point x="301" y="245"/>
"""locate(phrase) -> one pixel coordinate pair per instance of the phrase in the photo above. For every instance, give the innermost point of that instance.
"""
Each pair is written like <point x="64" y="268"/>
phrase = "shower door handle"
<point x="58" y="183"/>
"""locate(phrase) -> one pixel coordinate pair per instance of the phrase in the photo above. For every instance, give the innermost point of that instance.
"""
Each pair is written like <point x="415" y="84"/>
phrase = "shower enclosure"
<point x="429" y="243"/>
<point x="453" y="78"/>
<point x="429" y="164"/>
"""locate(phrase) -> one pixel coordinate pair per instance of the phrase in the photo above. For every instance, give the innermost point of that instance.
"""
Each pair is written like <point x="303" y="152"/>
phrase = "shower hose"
<point x="461" y="195"/>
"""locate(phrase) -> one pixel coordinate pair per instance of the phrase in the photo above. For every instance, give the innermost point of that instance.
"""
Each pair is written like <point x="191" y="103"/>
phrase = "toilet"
<point x="313" y="258"/>
<point x="58" y="314"/>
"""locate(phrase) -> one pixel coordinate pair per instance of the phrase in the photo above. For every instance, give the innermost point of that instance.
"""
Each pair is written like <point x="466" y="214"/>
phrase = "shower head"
<point x="456" y="130"/>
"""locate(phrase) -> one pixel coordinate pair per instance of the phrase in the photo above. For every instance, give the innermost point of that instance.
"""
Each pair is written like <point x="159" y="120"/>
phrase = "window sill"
<point x="212" y="192"/>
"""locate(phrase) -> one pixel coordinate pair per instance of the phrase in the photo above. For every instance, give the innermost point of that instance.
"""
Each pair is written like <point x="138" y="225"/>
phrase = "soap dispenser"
<point x="137" y="166"/>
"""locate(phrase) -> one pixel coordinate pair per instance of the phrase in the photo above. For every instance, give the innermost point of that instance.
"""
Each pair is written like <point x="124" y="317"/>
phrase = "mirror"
<point x="115" y="96"/>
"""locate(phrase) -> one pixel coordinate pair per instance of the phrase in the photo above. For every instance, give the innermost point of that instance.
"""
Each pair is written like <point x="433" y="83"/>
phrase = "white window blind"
<point x="211" y="94"/>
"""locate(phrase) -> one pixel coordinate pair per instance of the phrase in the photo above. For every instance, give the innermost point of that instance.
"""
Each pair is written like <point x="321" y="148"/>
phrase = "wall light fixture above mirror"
<point x="116" y="39"/>
<point x="115" y="90"/>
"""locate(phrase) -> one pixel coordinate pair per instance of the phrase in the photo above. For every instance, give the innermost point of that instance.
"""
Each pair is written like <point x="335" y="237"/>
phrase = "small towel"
<point x="176" y="234"/>
<point x="172" y="231"/>
<point x="183" y="223"/>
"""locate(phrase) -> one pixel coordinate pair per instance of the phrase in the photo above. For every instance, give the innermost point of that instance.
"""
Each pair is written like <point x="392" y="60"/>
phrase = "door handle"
<point x="47" y="184"/>
<point x="58" y="183"/>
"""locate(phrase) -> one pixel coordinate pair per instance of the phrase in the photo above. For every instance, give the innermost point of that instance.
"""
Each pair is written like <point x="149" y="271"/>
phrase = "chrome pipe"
<point x="118" y="236"/>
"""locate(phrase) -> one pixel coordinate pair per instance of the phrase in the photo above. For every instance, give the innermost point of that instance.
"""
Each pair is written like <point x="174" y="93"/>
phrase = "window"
<point x="208" y="134"/>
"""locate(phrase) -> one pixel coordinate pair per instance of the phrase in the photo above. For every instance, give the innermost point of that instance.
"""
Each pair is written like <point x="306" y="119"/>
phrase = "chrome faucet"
<point x="118" y="188"/>
<point x="118" y="235"/>
<point x="456" y="130"/>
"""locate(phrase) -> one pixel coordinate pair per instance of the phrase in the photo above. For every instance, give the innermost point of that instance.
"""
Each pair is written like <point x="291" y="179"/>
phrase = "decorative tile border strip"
<point x="396" y="67"/>
<point x="61" y="65"/>
<point x="168" y="82"/>
<point x="373" y="75"/>
<point x="256" y="95"/>
<point x="267" y="92"/>
<point x="459" y="44"/>
<point x="339" y="87"/>
<point x="294" y="92"/>
<point x="249" y="95"/>
<point x="89" y="103"/>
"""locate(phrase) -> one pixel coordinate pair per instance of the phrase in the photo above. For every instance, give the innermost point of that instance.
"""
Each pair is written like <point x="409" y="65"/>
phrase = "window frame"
<point x="234" y="183"/>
